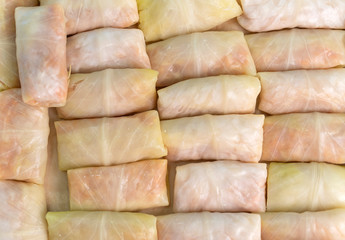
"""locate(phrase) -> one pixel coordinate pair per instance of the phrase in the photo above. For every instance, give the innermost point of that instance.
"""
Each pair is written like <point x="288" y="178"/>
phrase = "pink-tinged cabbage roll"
<point x="299" y="187"/>
<point x="214" y="95"/>
<point x="205" y="226"/>
<point x="126" y="187"/>
<point x="22" y="211"/>
<point x="8" y="61"/>
<point x="24" y="134"/>
<point x="101" y="226"/>
<point x="107" y="48"/>
<point x="303" y="91"/>
<point x="111" y="92"/>
<point x="230" y="137"/>
<point x="231" y="25"/>
<point x="325" y="225"/>
<point x="200" y="55"/>
<point x="41" y="54"/>
<point x="163" y="19"/>
<point x="259" y="16"/>
<point x="220" y="186"/>
<point x="83" y="15"/>
<point x="304" y="137"/>
<point x="109" y="141"/>
<point x="297" y="49"/>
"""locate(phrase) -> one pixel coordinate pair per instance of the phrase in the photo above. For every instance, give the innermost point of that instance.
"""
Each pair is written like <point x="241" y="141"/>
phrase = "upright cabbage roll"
<point x="111" y="92"/>
<point x="83" y="15"/>
<point x="231" y="137"/>
<point x="297" y="49"/>
<point x="220" y="186"/>
<point x="215" y="95"/>
<point x="41" y="54"/>
<point x="22" y="211"/>
<point x="304" y="137"/>
<point x="107" y="48"/>
<point x="230" y="25"/>
<point x="109" y="141"/>
<point x="303" y="91"/>
<point x="206" y="226"/>
<point x="101" y="226"/>
<point x="24" y="134"/>
<point x="200" y="55"/>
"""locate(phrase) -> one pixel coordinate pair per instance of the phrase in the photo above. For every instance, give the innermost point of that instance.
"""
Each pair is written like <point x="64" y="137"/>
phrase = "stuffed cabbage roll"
<point x="107" y="48"/>
<point x="24" y="134"/>
<point x="205" y="226"/>
<point x="41" y="54"/>
<point x="230" y="25"/>
<point x="304" y="137"/>
<point x="261" y="15"/>
<point x="111" y="92"/>
<point x="83" y="15"/>
<point x="325" y="225"/>
<point x="109" y="141"/>
<point x="220" y="186"/>
<point x="303" y="91"/>
<point x="297" y="49"/>
<point x="22" y="211"/>
<point x="299" y="187"/>
<point x="200" y="55"/>
<point x="101" y="226"/>
<point x="215" y="95"/>
<point x="231" y="137"/>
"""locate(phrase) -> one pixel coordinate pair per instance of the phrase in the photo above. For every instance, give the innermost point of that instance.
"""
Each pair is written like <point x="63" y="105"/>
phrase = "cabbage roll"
<point x="304" y="137"/>
<point x="206" y="226"/>
<point x="126" y="187"/>
<point x="41" y="54"/>
<point x="299" y="187"/>
<point x="24" y="134"/>
<point x="214" y="95"/>
<point x="297" y="49"/>
<point x="163" y="19"/>
<point x="8" y="61"/>
<point x="303" y="91"/>
<point x="83" y="15"/>
<point x="220" y="186"/>
<point x="107" y="48"/>
<point x="230" y="25"/>
<point x="109" y="141"/>
<point x="111" y="92"/>
<point x="259" y="16"/>
<point x="231" y="137"/>
<point x="22" y="211"/>
<point x="200" y="55"/>
<point x="101" y="226"/>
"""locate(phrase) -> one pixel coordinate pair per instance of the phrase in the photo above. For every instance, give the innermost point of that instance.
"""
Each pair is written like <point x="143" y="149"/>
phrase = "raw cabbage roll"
<point x="200" y="55"/>
<point x="101" y="226"/>
<point x="41" y="54"/>
<point x="83" y="15"/>
<point x="231" y="25"/>
<point x="206" y="226"/>
<point x="111" y="92"/>
<point x="109" y="141"/>
<point x="299" y="187"/>
<point x="163" y="19"/>
<point x="8" y="61"/>
<point x="297" y="49"/>
<point x="325" y="225"/>
<point x="271" y="15"/>
<point x="303" y="91"/>
<point x="215" y="95"/>
<point x="231" y="137"/>
<point x="305" y="137"/>
<point x="24" y="134"/>
<point x="22" y="211"/>
<point x="107" y="48"/>
<point x="220" y="186"/>
<point x="126" y="187"/>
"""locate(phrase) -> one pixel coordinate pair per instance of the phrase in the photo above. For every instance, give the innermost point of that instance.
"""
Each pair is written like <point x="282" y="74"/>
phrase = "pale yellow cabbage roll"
<point x="230" y="25"/>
